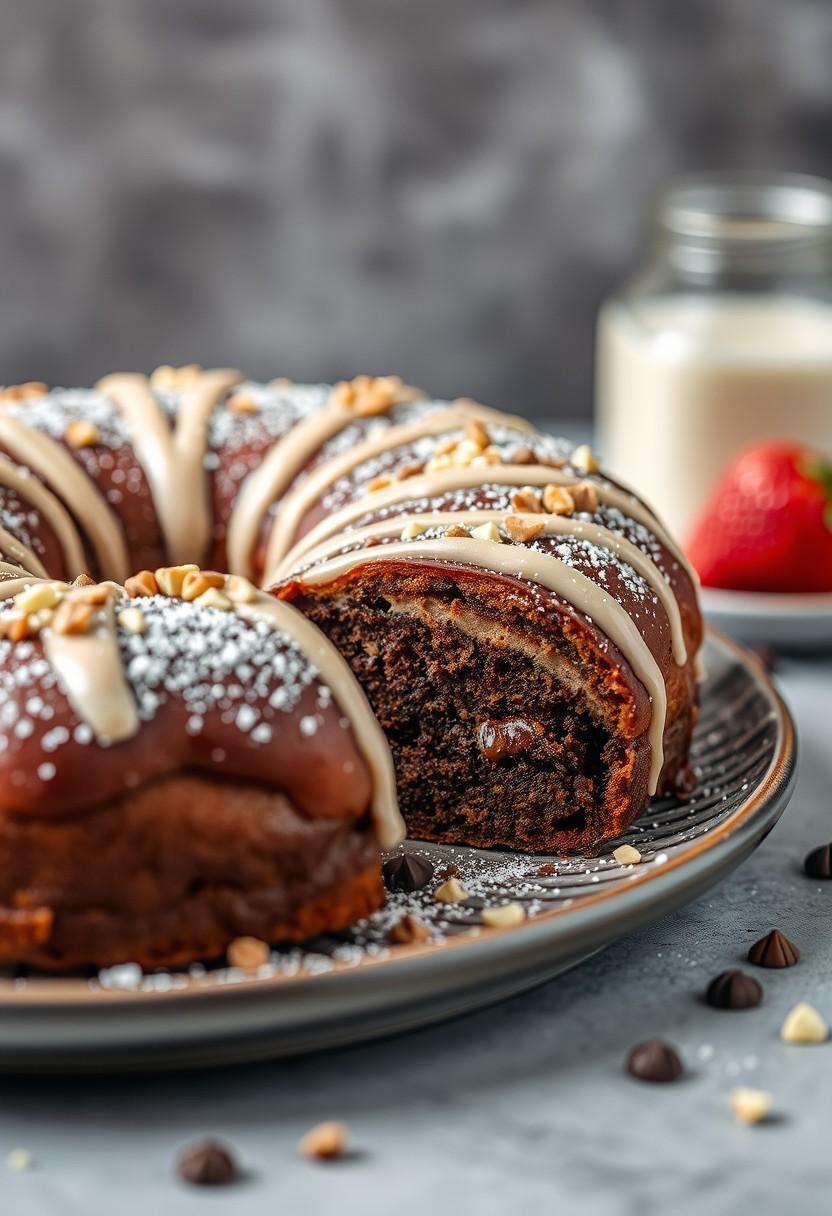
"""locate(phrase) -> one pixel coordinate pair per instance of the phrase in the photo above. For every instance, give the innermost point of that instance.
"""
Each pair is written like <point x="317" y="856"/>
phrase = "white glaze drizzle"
<point x="524" y="564"/>
<point x="554" y="525"/>
<point x="30" y="490"/>
<point x="277" y="470"/>
<point x="299" y="500"/>
<point x="51" y="462"/>
<point x="173" y="460"/>
<point x="89" y="669"/>
<point x="430" y="485"/>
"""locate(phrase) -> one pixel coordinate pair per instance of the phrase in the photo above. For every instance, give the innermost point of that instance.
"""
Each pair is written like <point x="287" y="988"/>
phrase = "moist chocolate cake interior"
<point x="490" y="745"/>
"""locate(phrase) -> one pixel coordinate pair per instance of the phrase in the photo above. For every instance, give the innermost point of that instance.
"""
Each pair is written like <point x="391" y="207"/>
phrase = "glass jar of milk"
<point x="724" y="338"/>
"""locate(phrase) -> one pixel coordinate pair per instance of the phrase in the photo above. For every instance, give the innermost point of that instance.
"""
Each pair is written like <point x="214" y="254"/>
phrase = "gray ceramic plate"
<point x="790" y="622"/>
<point x="337" y="993"/>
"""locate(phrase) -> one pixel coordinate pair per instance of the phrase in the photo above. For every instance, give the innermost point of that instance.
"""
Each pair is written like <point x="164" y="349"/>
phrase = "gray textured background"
<point x="445" y="188"/>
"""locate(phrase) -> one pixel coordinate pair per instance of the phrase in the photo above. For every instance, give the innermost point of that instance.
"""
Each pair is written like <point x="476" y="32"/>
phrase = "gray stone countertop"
<point x="523" y="1107"/>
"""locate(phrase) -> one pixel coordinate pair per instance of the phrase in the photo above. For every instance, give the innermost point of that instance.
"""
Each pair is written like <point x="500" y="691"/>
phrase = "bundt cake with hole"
<point x="174" y="744"/>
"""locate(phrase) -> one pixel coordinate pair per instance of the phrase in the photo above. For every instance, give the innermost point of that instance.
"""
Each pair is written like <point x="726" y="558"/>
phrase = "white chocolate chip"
<point x="750" y="1105"/>
<point x="804" y="1024"/>
<point x="212" y="598"/>
<point x="583" y="459"/>
<point x="450" y="892"/>
<point x="240" y="590"/>
<point x="132" y="619"/>
<point x="504" y="916"/>
<point x="18" y="1160"/>
<point x="411" y="530"/>
<point x="626" y="855"/>
<point x="488" y="531"/>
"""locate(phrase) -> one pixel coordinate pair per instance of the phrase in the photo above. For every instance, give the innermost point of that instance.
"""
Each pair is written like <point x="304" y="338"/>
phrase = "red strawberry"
<point x="768" y="526"/>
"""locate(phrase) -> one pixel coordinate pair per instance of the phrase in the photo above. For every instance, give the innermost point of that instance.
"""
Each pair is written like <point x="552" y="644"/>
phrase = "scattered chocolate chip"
<point x="774" y="950"/>
<point x="734" y="990"/>
<point x="409" y="931"/>
<point x="207" y="1163"/>
<point x="654" y="1061"/>
<point x="406" y="872"/>
<point x="818" y="863"/>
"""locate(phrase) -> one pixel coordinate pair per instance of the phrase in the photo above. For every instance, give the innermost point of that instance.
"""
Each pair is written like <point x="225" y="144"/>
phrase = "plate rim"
<point x="74" y="994"/>
<point x="765" y="605"/>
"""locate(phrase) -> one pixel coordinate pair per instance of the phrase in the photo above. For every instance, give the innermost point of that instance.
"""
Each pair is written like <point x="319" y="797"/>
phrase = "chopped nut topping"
<point x="132" y="619"/>
<point x="583" y="459"/>
<point x="409" y="470"/>
<point x="626" y="855"/>
<point x="82" y="434"/>
<point x="443" y="460"/>
<point x="378" y="483"/>
<point x="239" y="589"/>
<point x="457" y="530"/>
<point x="750" y="1105"/>
<point x="166" y="379"/>
<point x="324" y="1142"/>
<point x="169" y="579"/>
<point x="37" y="596"/>
<point x="488" y="531"/>
<point x="804" y="1024"/>
<point x="503" y="917"/>
<point x="409" y="931"/>
<point x="526" y="501"/>
<point x="557" y="500"/>
<point x="413" y="529"/>
<point x="523" y="455"/>
<point x="143" y="583"/>
<point x="242" y="403"/>
<point x="23" y="392"/>
<point x="585" y="497"/>
<point x="368" y="396"/>
<point x="14" y="626"/>
<point x="97" y="594"/>
<point x="523" y="530"/>
<point x="214" y="599"/>
<point x="444" y="447"/>
<point x="83" y="580"/>
<point x="72" y="617"/>
<point x="450" y="892"/>
<point x="476" y="433"/>
<point x="248" y="953"/>
<point x="197" y="582"/>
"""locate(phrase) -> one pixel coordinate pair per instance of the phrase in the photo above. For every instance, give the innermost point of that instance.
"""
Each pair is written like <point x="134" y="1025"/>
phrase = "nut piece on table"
<point x="324" y="1142"/>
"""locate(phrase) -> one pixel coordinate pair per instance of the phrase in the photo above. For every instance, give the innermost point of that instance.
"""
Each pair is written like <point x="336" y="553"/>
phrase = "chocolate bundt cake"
<point x="522" y="626"/>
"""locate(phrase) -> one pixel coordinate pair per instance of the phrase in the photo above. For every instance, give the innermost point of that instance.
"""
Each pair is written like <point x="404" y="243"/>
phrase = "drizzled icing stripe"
<point x="45" y="457"/>
<point x="299" y="500"/>
<point x="172" y="460"/>
<point x="430" y="485"/>
<point x="521" y="563"/>
<point x="30" y="490"/>
<point x="278" y="469"/>
<point x="554" y="525"/>
<point x="349" y="696"/>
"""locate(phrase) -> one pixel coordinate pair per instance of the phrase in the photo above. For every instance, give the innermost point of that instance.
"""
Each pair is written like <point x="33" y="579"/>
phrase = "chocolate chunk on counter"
<point x="818" y="863"/>
<point x="654" y="1061"/>
<point x="406" y="872"/>
<point x="734" y="990"/>
<point x="207" y="1163"/>
<point x="774" y="950"/>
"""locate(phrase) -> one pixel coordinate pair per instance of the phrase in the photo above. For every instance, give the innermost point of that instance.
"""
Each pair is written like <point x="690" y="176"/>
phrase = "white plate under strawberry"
<point x="763" y="548"/>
